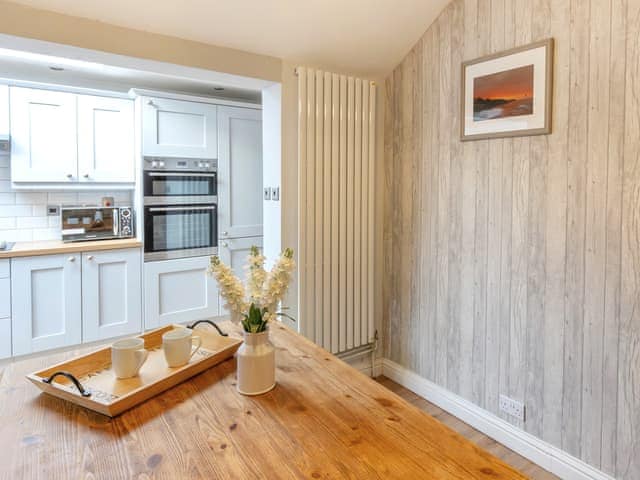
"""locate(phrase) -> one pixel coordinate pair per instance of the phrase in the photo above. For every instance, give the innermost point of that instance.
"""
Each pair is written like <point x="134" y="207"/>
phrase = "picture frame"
<point x="508" y="94"/>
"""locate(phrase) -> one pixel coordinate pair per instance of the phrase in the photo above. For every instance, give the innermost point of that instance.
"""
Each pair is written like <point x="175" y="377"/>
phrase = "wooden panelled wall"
<point x="513" y="265"/>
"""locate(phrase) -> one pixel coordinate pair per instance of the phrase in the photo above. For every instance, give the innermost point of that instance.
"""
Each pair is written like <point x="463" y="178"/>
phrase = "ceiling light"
<point x="218" y="89"/>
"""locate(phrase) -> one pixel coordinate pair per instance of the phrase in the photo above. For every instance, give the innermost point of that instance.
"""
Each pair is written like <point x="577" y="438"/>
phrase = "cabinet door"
<point x="111" y="294"/>
<point x="45" y="295"/>
<point x="234" y="252"/>
<point x="239" y="172"/>
<point x="43" y="136"/>
<point x="174" y="128"/>
<point x="4" y="113"/>
<point x="179" y="291"/>
<point x="5" y="309"/>
<point x="105" y="139"/>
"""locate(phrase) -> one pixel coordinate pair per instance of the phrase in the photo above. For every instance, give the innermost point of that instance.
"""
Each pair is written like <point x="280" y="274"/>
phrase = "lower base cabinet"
<point x="63" y="300"/>
<point x="111" y="294"/>
<point x="234" y="252"/>
<point x="179" y="291"/>
<point x="46" y="301"/>
<point x="5" y="309"/>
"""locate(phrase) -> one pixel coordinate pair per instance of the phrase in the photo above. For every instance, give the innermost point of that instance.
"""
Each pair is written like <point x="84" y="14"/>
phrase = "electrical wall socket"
<point x="267" y="193"/>
<point x="511" y="407"/>
<point x="275" y="193"/>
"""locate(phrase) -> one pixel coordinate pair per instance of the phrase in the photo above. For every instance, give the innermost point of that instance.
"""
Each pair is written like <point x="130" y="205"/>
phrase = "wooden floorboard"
<point x="530" y="469"/>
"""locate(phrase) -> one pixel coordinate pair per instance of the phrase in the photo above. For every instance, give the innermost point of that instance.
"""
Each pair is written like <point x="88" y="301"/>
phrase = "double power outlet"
<point x="511" y="407"/>
<point x="272" y="193"/>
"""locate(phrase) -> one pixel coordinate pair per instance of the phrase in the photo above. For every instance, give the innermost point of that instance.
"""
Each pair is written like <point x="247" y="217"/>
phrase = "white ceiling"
<point x="367" y="37"/>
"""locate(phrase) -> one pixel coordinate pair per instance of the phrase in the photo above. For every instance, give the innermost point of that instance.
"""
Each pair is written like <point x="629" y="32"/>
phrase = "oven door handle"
<point x="179" y="209"/>
<point x="180" y="174"/>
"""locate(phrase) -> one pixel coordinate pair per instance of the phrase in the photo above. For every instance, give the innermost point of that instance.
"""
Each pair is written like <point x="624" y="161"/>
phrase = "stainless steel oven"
<point x="176" y="231"/>
<point x="174" y="180"/>
<point x="180" y="208"/>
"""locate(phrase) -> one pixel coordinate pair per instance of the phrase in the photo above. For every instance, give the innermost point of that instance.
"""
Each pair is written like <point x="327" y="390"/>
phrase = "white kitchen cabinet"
<point x="46" y="302"/>
<point x="105" y="140"/>
<point x="111" y="293"/>
<point x="239" y="172"/>
<point x="234" y="252"/>
<point x="5" y="309"/>
<point x="4" y="119"/>
<point x="176" y="128"/>
<point x="178" y="291"/>
<point x="43" y="136"/>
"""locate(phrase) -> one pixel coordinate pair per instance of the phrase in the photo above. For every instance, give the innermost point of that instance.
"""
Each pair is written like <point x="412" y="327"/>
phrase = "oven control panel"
<point x="176" y="164"/>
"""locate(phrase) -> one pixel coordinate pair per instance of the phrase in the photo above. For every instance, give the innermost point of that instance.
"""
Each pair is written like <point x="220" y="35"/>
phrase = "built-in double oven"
<point x="180" y="208"/>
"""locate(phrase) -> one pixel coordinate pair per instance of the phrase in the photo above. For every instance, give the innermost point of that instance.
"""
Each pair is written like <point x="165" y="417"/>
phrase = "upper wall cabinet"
<point x="239" y="172"/>
<point x="69" y="140"/>
<point x="4" y="119"/>
<point x="175" y="128"/>
<point x="43" y="136"/>
<point x="105" y="139"/>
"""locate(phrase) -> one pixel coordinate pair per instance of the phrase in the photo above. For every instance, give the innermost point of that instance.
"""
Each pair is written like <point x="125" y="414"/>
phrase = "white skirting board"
<point x="538" y="451"/>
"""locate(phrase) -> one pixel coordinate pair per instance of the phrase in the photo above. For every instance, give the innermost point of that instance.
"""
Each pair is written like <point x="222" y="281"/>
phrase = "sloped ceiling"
<point x="366" y="37"/>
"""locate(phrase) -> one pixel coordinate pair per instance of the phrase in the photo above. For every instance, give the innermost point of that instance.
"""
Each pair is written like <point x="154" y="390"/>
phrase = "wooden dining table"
<point x="323" y="420"/>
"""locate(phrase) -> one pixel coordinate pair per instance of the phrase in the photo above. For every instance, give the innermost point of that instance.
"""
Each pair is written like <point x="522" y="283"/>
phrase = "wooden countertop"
<point x="49" y="247"/>
<point x="324" y="419"/>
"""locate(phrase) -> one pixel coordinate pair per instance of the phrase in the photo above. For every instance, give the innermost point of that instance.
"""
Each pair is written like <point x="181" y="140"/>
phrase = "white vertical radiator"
<point x="336" y="131"/>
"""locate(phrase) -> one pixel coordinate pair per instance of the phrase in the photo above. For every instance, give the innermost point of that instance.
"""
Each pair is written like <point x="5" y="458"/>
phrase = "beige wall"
<point x="53" y="27"/>
<point x="514" y="264"/>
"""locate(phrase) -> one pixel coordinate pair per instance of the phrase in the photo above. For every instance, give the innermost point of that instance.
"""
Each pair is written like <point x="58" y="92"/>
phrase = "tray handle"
<point x="84" y="392"/>
<point x="195" y="324"/>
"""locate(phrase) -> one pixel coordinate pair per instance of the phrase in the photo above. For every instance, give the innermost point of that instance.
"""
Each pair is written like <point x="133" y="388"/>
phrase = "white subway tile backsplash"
<point x="62" y="198"/>
<point x="32" y="222"/>
<point x="7" y="223"/>
<point x="23" y="214"/>
<point x="39" y="210"/>
<point x="15" y="210"/>
<point x="30" y="198"/>
<point x="46" y="234"/>
<point x="17" y="235"/>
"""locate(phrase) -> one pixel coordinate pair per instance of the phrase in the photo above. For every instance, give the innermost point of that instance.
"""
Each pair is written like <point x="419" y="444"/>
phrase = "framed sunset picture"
<point x="508" y="94"/>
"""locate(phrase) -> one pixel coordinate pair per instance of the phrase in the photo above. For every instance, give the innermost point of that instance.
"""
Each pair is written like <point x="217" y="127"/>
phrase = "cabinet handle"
<point x="225" y="233"/>
<point x="86" y="175"/>
<point x="69" y="176"/>
<point x="225" y="244"/>
<point x="150" y="103"/>
<point x="72" y="259"/>
<point x="90" y="257"/>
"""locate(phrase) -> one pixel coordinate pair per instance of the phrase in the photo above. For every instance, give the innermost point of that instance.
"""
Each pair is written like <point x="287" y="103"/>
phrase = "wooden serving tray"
<point x="98" y="388"/>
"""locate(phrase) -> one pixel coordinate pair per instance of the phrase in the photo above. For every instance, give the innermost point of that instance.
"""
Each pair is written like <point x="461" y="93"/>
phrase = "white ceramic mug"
<point x="127" y="356"/>
<point x="179" y="346"/>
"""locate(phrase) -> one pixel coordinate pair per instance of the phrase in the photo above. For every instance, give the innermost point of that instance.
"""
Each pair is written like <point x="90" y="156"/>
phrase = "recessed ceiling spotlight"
<point x="218" y="89"/>
<point x="57" y="69"/>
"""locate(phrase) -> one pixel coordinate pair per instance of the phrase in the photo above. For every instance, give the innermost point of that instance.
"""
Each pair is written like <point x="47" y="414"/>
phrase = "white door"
<point x="43" y="136"/>
<point x="179" y="291"/>
<point x="111" y="294"/>
<point x="234" y="252"/>
<point x="105" y="139"/>
<point x="45" y="295"/>
<point x="174" y="128"/>
<point x="239" y="172"/>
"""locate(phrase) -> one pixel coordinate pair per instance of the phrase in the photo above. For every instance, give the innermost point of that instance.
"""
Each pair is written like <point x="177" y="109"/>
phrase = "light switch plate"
<point x="267" y="193"/>
<point x="53" y="210"/>
<point x="275" y="193"/>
